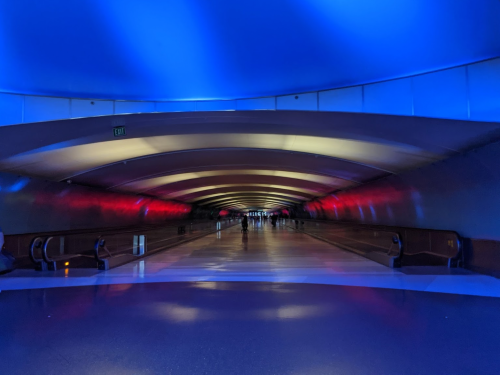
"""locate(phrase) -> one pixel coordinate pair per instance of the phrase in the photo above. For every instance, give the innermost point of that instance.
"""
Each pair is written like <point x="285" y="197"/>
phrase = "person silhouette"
<point x="244" y="223"/>
<point x="274" y="219"/>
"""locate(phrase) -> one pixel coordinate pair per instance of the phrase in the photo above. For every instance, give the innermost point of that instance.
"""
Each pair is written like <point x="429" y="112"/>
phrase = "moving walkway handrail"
<point x="36" y="243"/>
<point x="100" y="243"/>
<point x="342" y="232"/>
<point x="396" y="240"/>
<point x="45" y="256"/>
<point x="418" y="245"/>
<point x="123" y="229"/>
<point x="92" y="246"/>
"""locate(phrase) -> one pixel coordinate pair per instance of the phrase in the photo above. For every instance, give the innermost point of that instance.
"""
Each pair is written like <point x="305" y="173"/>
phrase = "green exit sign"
<point x="119" y="131"/>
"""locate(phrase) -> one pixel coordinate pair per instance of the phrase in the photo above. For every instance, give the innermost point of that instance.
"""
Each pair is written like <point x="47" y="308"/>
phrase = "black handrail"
<point x="387" y="252"/>
<point x="85" y="254"/>
<point x="100" y="243"/>
<point x="36" y="243"/>
<point x="396" y="240"/>
<point x="44" y="251"/>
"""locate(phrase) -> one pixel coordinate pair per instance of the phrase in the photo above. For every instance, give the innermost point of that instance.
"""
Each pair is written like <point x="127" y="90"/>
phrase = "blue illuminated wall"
<point x="484" y="90"/>
<point x="470" y="92"/>
<point x="199" y="50"/>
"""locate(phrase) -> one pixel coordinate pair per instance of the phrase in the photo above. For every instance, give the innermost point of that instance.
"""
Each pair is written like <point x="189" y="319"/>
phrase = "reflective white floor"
<point x="265" y="254"/>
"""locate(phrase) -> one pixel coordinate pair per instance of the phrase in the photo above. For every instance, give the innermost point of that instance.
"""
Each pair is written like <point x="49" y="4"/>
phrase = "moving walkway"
<point x="110" y="248"/>
<point x="392" y="246"/>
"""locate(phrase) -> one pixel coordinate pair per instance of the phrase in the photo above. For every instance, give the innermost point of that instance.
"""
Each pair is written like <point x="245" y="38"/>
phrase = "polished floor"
<point x="270" y="302"/>
<point x="264" y="254"/>
<point x="246" y="328"/>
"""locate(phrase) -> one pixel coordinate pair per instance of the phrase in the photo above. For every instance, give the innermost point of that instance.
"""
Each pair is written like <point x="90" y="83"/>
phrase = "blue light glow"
<point x="361" y="213"/>
<point x="18" y="185"/>
<point x="417" y="202"/>
<point x="222" y="49"/>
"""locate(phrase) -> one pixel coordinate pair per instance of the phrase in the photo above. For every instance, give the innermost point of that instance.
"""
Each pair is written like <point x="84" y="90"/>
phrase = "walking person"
<point x="244" y="224"/>
<point x="274" y="219"/>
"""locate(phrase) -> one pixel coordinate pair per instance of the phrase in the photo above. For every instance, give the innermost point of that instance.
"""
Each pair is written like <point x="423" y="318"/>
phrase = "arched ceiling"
<point x="226" y="49"/>
<point x="232" y="160"/>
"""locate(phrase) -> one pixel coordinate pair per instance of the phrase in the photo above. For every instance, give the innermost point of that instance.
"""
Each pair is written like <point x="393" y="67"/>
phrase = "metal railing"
<point x="37" y="244"/>
<point x="106" y="250"/>
<point x="382" y="246"/>
<point x="394" y="246"/>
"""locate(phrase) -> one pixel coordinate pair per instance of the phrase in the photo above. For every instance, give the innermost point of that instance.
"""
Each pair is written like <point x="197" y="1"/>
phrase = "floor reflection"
<point x="245" y="328"/>
<point x="264" y="253"/>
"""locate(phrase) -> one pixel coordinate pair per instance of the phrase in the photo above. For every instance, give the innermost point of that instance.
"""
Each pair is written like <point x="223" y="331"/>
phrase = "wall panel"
<point x="134" y="107"/>
<point x="390" y="97"/>
<point x="299" y="102"/>
<point x="216" y="105"/>
<point x="256" y="104"/>
<point x="175" y="106"/>
<point x="343" y="100"/>
<point x="89" y="108"/>
<point x="484" y="90"/>
<point x="11" y="109"/>
<point x="467" y="92"/>
<point x="40" y="108"/>
<point x="441" y="94"/>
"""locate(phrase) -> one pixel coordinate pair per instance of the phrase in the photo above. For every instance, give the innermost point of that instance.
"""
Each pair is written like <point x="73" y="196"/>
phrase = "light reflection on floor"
<point x="246" y="328"/>
<point x="264" y="254"/>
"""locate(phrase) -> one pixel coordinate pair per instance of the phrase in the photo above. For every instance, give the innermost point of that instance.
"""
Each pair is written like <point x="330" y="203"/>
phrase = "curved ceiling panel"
<point x="144" y="185"/>
<point x="116" y="174"/>
<point x="255" y="200"/>
<point x="193" y="193"/>
<point x="250" y="180"/>
<point x="222" y="49"/>
<point x="64" y="162"/>
<point x="268" y="208"/>
<point x="250" y="198"/>
<point x="230" y="196"/>
<point x="216" y="159"/>
<point x="215" y="192"/>
<point x="253" y="205"/>
<point x="436" y="136"/>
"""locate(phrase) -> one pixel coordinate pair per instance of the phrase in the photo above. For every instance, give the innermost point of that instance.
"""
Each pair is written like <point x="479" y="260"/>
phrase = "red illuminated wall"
<point x="29" y="205"/>
<point x="461" y="193"/>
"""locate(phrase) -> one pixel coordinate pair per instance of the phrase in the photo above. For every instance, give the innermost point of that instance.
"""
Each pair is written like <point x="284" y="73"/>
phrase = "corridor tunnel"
<point x="134" y="139"/>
